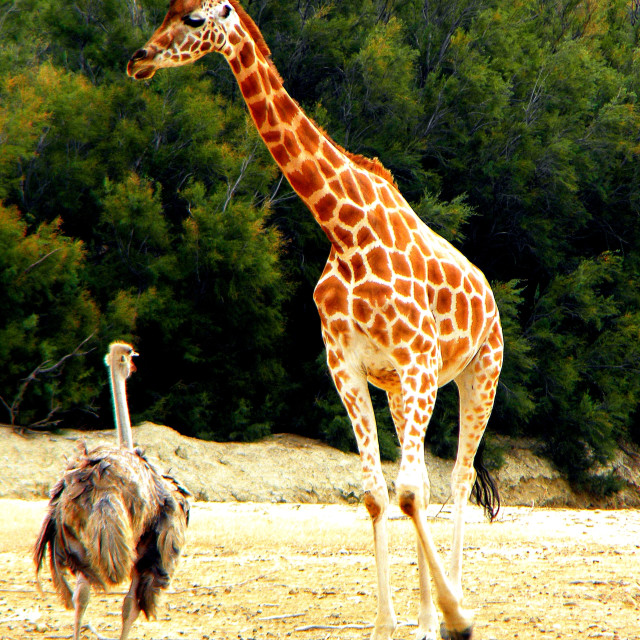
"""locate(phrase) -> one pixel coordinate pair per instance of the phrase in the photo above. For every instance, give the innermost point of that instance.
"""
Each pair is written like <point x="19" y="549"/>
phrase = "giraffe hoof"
<point x="446" y="634"/>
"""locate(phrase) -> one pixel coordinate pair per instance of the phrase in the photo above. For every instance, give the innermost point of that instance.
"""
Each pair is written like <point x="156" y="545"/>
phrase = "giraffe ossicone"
<point x="399" y="306"/>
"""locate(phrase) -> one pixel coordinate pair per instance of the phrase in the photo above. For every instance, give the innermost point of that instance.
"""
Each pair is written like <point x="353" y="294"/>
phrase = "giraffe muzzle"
<point x="136" y="67"/>
<point x="139" y="55"/>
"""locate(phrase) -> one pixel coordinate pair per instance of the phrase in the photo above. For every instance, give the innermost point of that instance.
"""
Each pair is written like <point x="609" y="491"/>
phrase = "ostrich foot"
<point x="95" y="632"/>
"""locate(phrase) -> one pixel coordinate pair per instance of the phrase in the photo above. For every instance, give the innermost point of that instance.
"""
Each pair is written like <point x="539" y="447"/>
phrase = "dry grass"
<point x="268" y="571"/>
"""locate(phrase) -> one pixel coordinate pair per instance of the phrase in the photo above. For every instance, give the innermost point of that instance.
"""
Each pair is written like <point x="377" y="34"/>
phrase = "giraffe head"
<point x="191" y="29"/>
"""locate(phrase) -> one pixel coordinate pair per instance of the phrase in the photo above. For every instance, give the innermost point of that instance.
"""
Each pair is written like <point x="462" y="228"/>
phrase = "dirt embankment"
<point x="282" y="468"/>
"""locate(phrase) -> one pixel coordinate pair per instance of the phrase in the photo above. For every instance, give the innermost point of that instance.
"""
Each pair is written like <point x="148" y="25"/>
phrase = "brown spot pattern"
<point x="462" y="312"/>
<point x="259" y="113"/>
<point x="443" y="301"/>
<point x="403" y="287"/>
<point x="343" y="236"/>
<point x="365" y="237"/>
<point x="375" y="293"/>
<point x="418" y="264"/>
<point x="359" y="268"/>
<point x="401" y="332"/>
<point x="309" y="137"/>
<point x="380" y="226"/>
<point x="325" y="207"/>
<point x="331" y="295"/>
<point x="285" y="107"/>
<point x="272" y="136"/>
<point x="291" y="144"/>
<point x="452" y="275"/>
<point x="366" y="187"/>
<point x="350" y="215"/>
<point x="250" y="86"/>
<point x="400" y="264"/>
<point x="379" y="263"/>
<point x="280" y="155"/>
<point x="362" y="311"/>
<point x="306" y="180"/>
<point x="327" y="170"/>
<point x="331" y="155"/>
<point x="435" y="273"/>
<point x="400" y="231"/>
<point x="379" y="331"/>
<point x="477" y="317"/>
<point x="351" y="188"/>
<point x="246" y="55"/>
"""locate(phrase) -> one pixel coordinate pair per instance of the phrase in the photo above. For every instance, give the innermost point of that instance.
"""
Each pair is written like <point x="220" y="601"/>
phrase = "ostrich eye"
<point x="192" y="21"/>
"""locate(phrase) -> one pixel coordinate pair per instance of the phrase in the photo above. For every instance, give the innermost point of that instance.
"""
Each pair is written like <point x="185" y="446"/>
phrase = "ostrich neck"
<point x="121" y="410"/>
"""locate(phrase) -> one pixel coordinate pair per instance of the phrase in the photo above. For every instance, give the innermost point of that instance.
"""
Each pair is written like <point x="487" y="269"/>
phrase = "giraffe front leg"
<point x="428" y="623"/>
<point x="354" y="392"/>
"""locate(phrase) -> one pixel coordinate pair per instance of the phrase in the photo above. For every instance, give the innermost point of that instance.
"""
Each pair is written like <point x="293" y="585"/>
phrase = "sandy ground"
<point x="307" y="571"/>
<point x="279" y="547"/>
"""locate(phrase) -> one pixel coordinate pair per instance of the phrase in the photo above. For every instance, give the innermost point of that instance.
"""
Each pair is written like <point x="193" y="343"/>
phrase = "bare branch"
<point x="243" y="169"/>
<point x="42" y="368"/>
<point x="37" y="262"/>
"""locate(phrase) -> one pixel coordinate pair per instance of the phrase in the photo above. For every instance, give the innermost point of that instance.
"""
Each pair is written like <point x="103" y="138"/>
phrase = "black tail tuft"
<point x="485" y="490"/>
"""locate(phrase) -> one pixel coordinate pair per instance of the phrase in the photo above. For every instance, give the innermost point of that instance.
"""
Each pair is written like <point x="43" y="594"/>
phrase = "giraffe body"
<point x="399" y="306"/>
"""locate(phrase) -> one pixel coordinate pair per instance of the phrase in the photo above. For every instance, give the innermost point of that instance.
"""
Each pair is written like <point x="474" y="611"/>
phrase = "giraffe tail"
<point x="485" y="489"/>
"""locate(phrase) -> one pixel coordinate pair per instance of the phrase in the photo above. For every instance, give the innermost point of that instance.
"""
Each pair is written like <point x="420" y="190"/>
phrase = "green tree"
<point x="48" y="323"/>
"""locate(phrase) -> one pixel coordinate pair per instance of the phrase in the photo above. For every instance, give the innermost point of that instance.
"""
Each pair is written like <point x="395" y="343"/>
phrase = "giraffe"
<point x="400" y="307"/>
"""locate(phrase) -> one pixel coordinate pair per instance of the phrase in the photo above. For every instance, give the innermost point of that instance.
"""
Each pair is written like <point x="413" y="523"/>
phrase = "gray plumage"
<point x="111" y="517"/>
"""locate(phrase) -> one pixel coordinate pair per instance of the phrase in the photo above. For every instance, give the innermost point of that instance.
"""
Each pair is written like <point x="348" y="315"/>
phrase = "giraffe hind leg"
<point x="477" y="386"/>
<point x="445" y="634"/>
<point x="419" y="389"/>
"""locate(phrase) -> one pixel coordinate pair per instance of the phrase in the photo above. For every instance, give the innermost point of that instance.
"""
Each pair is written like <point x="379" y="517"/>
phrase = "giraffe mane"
<point x="372" y="165"/>
<point x="247" y="22"/>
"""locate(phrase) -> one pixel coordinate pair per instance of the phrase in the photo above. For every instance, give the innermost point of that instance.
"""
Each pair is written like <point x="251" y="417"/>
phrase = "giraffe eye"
<point x="192" y="21"/>
<point x="226" y="10"/>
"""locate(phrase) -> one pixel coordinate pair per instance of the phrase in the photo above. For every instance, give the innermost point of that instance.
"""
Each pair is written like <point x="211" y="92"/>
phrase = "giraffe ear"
<point x="225" y="10"/>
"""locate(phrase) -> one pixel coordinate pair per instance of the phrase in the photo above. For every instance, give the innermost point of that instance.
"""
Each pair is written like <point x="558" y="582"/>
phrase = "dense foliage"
<point x="153" y="212"/>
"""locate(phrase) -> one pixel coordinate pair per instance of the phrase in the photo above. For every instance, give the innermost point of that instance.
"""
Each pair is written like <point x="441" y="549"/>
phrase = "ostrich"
<point x="113" y="516"/>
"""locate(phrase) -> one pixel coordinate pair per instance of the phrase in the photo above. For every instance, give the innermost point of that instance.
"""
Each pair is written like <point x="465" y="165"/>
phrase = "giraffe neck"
<point x="317" y="169"/>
